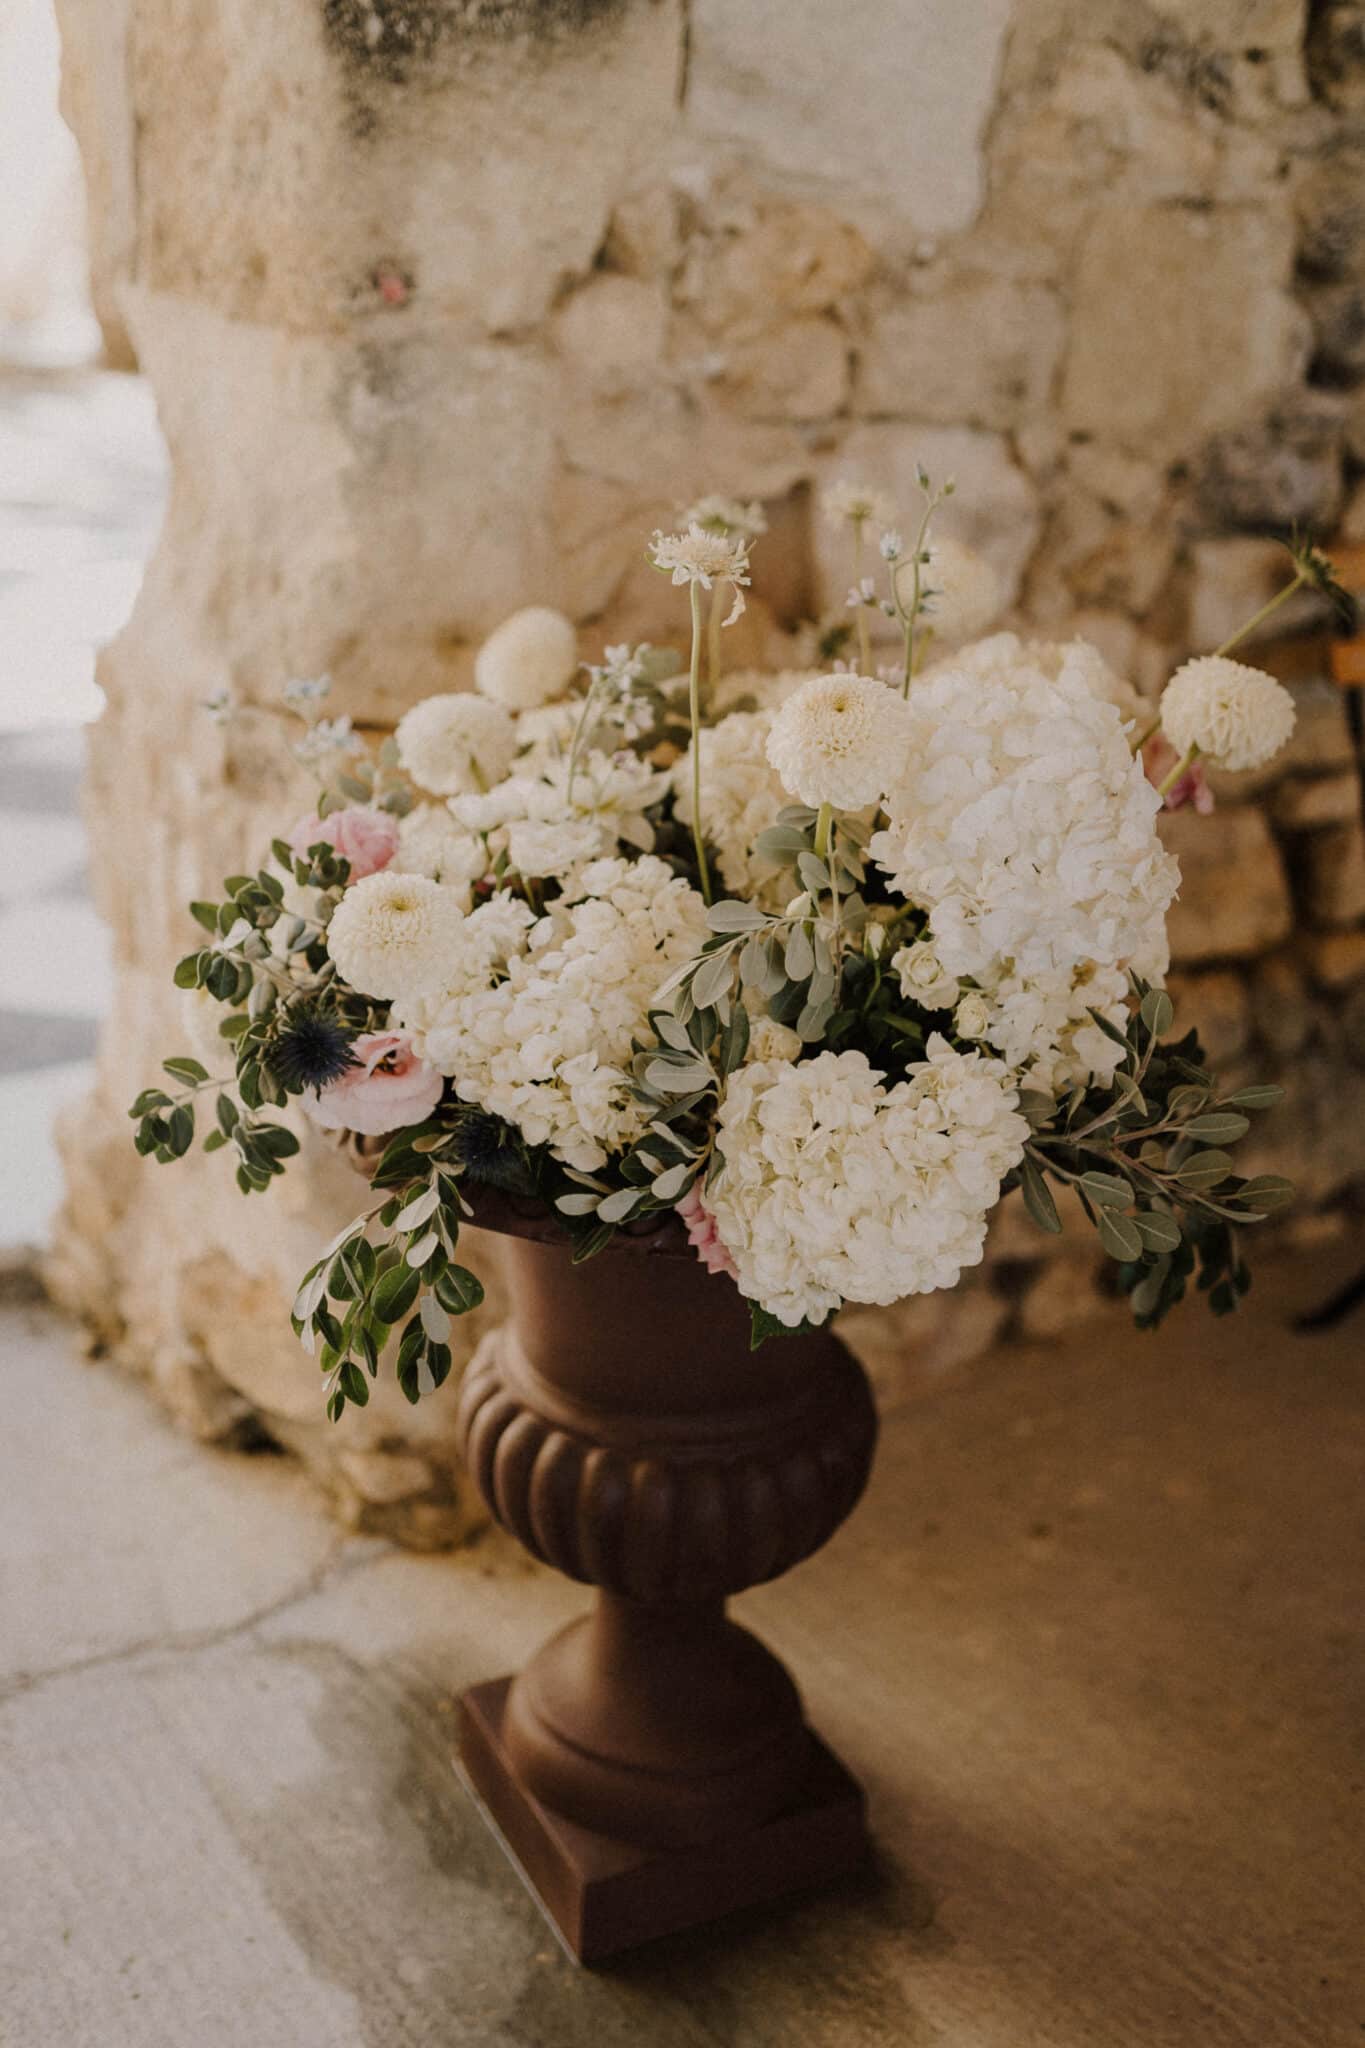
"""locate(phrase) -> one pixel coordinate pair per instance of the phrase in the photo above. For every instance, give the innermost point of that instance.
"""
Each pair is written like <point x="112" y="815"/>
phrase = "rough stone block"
<point x="891" y="104"/>
<point x="1159" y="294"/>
<point x="1234" y="899"/>
<point x="1333" y="872"/>
<point x="982" y="351"/>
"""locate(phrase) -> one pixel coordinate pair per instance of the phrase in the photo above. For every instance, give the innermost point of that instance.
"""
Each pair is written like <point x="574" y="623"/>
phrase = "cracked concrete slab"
<point x="1092" y="1642"/>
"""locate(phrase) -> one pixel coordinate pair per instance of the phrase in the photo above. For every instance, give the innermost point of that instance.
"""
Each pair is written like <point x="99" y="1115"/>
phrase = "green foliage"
<point x="1146" y="1158"/>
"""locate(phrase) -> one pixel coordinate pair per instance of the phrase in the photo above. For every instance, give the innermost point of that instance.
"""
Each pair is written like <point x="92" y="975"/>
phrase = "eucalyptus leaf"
<point x="1119" y="1235"/>
<point x="734" y="916"/>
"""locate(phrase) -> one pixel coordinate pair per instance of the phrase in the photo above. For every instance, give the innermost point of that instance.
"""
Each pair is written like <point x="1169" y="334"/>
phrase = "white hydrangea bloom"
<point x="836" y="1189"/>
<point x="540" y="848"/>
<point x="528" y="659"/>
<point x="1041" y="1024"/>
<point x="1027" y="831"/>
<point x="535" y="1021"/>
<point x="1076" y="661"/>
<point x="741" y="795"/>
<point x="456" y="742"/>
<point x="962" y="590"/>
<point x="840" y="740"/>
<point x="922" y="976"/>
<point x="430" y="842"/>
<point x="1238" y="717"/>
<point x="395" y="935"/>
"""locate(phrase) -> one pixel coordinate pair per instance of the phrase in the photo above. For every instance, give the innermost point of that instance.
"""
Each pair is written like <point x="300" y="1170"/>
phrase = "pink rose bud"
<point x="1158" y="759"/>
<point x="390" y="1088"/>
<point x="703" y="1235"/>
<point x="367" y="839"/>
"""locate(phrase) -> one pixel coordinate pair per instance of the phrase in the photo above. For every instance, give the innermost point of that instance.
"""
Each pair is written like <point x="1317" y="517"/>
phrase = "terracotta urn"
<point x="651" y="1768"/>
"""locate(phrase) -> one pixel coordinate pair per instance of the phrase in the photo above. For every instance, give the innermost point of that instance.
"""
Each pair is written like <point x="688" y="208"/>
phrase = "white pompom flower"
<point x="840" y="740"/>
<point x="961" y="591"/>
<point x="529" y="659"/>
<point x="1237" y="717"/>
<point x="396" y="936"/>
<point x="457" y="742"/>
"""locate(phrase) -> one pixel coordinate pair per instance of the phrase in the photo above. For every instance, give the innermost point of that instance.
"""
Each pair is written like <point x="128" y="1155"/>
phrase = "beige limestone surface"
<point x="1092" y="1641"/>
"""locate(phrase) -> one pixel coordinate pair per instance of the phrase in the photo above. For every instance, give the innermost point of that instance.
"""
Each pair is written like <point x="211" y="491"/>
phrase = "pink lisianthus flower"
<point x="390" y="1088"/>
<point x="702" y="1234"/>
<point x="367" y="839"/>
<point x="1158" y="759"/>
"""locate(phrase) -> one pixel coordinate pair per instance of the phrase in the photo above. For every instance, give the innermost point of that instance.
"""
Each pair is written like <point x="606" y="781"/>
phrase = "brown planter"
<point x="651" y="1767"/>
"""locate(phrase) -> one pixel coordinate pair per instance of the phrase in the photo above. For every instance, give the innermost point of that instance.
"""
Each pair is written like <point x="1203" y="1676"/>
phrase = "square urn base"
<point x="604" y="1896"/>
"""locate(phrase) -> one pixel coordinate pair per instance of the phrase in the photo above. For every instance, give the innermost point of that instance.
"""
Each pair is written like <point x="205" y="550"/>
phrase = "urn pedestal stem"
<point x="651" y="1767"/>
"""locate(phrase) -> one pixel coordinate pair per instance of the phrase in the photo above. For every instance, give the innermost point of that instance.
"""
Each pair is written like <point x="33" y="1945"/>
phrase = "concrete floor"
<point x="1093" y="1642"/>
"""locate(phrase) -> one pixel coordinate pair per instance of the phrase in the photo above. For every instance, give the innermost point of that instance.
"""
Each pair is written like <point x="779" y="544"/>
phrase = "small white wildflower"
<point x="395" y="935"/>
<point x="840" y="740"/>
<point x="719" y="514"/>
<point x="1238" y="717"/>
<point x="528" y="659"/>
<point x="959" y="591"/>
<point x="329" y="736"/>
<point x="860" y="594"/>
<point x="220" y="706"/>
<point x="856" y="504"/>
<point x="891" y="546"/>
<point x="302" y="692"/>
<point x="699" y="556"/>
<point x="456" y="742"/>
<point x="923" y="977"/>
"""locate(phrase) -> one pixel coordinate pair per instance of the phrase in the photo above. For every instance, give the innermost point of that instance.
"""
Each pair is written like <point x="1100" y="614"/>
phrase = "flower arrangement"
<point x="826" y="962"/>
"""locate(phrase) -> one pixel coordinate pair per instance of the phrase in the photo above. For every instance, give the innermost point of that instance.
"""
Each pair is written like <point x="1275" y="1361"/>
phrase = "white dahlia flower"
<point x="836" y="1189"/>
<point x="961" y="589"/>
<point x="528" y="659"/>
<point x="1238" y="717"/>
<point x="840" y="740"/>
<point x="535" y="1021"/>
<point x="1026" y="830"/>
<point x="395" y="935"/>
<point x="456" y="742"/>
<point x="856" y="504"/>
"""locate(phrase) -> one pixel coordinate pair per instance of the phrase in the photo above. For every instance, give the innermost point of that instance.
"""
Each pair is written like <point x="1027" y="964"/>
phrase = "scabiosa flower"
<point x="456" y="742"/>
<point x="840" y="740"/>
<point x="395" y="935"/>
<point x="1191" y="787"/>
<point x="728" y="516"/>
<point x="528" y="659"/>
<point x="701" y="556"/>
<point x="1238" y="717"/>
<point x="310" y="1048"/>
<point x="856" y="504"/>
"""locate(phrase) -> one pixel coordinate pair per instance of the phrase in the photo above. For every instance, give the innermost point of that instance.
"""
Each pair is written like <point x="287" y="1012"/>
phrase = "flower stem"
<point x="1182" y="767"/>
<point x="823" y="824"/>
<point x="910" y="620"/>
<point x="713" y="626"/>
<point x="694" y="709"/>
<point x="1149" y="732"/>
<point x="864" y="636"/>
<point x="1259" y="618"/>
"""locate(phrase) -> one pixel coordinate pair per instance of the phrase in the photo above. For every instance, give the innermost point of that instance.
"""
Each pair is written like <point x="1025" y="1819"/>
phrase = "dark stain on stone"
<point x="392" y="41"/>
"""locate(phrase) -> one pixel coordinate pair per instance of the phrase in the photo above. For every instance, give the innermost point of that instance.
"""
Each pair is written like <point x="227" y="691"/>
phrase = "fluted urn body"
<point x="620" y="1426"/>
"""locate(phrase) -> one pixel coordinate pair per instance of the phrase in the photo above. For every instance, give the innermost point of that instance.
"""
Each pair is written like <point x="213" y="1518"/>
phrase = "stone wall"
<point x="448" y="302"/>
